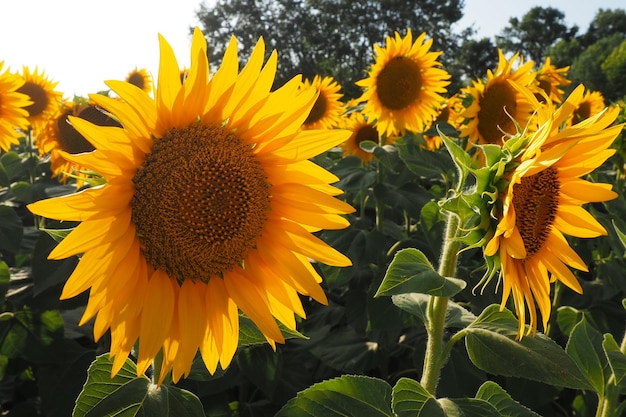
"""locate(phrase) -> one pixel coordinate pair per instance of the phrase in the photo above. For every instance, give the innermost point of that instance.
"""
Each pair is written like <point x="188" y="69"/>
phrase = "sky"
<point x="81" y="43"/>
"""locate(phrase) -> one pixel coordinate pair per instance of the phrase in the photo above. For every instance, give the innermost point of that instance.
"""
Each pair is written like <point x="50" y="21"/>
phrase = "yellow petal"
<point x="576" y="221"/>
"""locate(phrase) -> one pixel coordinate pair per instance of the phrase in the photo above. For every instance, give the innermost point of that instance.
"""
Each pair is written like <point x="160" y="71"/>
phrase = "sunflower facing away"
<point x="543" y="202"/>
<point x="326" y="112"/>
<point x="139" y="77"/>
<point x="13" y="116"/>
<point x="495" y="104"/>
<point x="209" y="206"/>
<point x="60" y="136"/>
<point x="403" y="89"/>
<point x="45" y="99"/>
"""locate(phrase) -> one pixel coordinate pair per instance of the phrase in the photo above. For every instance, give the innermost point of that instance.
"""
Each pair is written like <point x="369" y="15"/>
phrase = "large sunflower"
<point x="45" y="99"/>
<point x="13" y="116"/>
<point x="326" y="112"/>
<point x="403" y="89"/>
<point x="543" y="202"/>
<point x="209" y="206"/>
<point x="61" y="138"/>
<point x="496" y="105"/>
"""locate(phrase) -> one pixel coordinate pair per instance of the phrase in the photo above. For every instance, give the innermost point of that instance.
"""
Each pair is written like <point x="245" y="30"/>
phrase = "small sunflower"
<point x="326" y="112"/>
<point x="361" y="130"/>
<point x="403" y="89"/>
<point x="139" y="77"/>
<point x="13" y="116"/>
<point x="495" y="105"/>
<point x="448" y="113"/>
<point x="591" y="104"/>
<point x="209" y="205"/>
<point x="543" y="202"/>
<point x="551" y="79"/>
<point x="45" y="99"/>
<point x="61" y="138"/>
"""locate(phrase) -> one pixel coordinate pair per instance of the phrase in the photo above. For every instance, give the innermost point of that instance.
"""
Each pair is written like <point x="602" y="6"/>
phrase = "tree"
<point x="327" y="37"/>
<point x="539" y="29"/>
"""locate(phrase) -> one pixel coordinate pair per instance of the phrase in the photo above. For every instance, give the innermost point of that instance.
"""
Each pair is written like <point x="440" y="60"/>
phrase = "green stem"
<point x="436" y="355"/>
<point x="608" y="403"/>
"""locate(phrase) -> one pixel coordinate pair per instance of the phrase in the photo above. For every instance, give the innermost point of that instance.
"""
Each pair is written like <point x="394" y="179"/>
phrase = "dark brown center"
<point x="498" y="100"/>
<point x="318" y="111"/>
<point x="137" y="79"/>
<point x="37" y="95"/>
<point x="536" y="200"/>
<point x="73" y="142"/>
<point x="399" y="83"/>
<point x="201" y="201"/>
<point x="366" y="132"/>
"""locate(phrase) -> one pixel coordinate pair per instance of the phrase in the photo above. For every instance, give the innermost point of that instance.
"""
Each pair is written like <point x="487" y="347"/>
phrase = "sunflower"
<point x="361" y="131"/>
<point x="209" y="206"/>
<point x="403" y="89"/>
<point x="326" y="112"/>
<point x="60" y="137"/>
<point x="591" y="104"/>
<point x="496" y="106"/>
<point x="448" y="113"/>
<point x="550" y="79"/>
<point x="45" y="99"/>
<point x="139" y="77"/>
<point x="543" y="202"/>
<point x="13" y="116"/>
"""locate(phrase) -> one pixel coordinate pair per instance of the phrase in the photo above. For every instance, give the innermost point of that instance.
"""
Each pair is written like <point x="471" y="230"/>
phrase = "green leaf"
<point x="461" y="158"/>
<point x="621" y="235"/>
<point x="417" y="304"/>
<point x="11" y="229"/>
<point x="567" y="318"/>
<point x="11" y="162"/>
<point x="468" y="407"/>
<point x="585" y="348"/>
<point x="411" y="272"/>
<point x="410" y="399"/>
<point x="492" y="346"/>
<point x="127" y="395"/>
<point x="348" y="395"/>
<point x="502" y="401"/>
<point x="615" y="357"/>
<point x="250" y="335"/>
<point x="5" y="279"/>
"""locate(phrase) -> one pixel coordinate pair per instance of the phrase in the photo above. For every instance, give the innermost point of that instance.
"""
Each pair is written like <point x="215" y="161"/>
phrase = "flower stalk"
<point x="436" y="355"/>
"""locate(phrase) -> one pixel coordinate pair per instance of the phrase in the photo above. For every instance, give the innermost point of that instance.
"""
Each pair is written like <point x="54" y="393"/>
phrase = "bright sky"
<point x="81" y="43"/>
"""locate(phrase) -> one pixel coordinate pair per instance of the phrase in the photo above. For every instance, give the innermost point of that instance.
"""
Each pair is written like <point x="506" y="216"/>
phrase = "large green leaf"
<point x="5" y="279"/>
<point x="417" y="304"/>
<point x="585" y="348"/>
<point x="410" y="399"/>
<point x="127" y="395"/>
<point x="250" y="335"/>
<point x="411" y="272"/>
<point x="492" y="346"/>
<point x="616" y="358"/>
<point x="348" y="395"/>
<point x="468" y="407"/>
<point x="502" y="401"/>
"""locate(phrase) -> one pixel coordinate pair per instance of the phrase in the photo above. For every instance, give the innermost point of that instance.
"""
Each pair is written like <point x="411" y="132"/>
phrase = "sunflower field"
<point x="203" y="243"/>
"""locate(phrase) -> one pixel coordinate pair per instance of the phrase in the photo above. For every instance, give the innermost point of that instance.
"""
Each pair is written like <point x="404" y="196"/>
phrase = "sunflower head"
<point x="494" y="108"/>
<point x="209" y="207"/>
<point x="326" y="112"/>
<point x="402" y="91"/>
<point x="60" y="138"/>
<point x="591" y="104"/>
<point x="140" y="78"/>
<point x="41" y="92"/>
<point x="550" y="79"/>
<point x="13" y="104"/>
<point x="361" y="131"/>
<point x="539" y="199"/>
